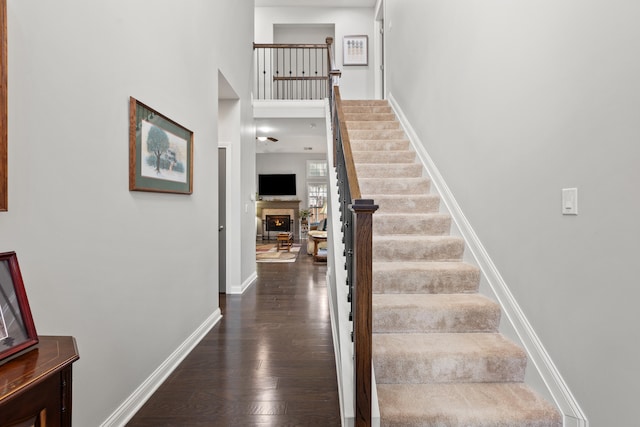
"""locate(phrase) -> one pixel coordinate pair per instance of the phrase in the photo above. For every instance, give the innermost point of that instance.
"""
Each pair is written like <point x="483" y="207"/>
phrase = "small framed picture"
<point x="355" y="50"/>
<point x="160" y="152"/>
<point x="17" y="330"/>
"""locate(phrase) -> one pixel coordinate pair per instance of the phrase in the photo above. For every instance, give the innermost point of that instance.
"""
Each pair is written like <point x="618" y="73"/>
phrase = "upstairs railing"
<point x="293" y="71"/>
<point x="356" y="214"/>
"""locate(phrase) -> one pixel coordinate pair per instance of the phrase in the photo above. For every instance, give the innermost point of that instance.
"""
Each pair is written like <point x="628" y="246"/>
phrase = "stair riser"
<point x="394" y="186"/>
<point x="379" y="145"/>
<point x="376" y="134"/>
<point x="414" y="204"/>
<point x="464" y="405"/>
<point x="430" y="225"/>
<point x="421" y="282"/>
<point x="362" y="117"/>
<point x="402" y="170"/>
<point x="380" y="109"/>
<point x="416" y="320"/>
<point x="365" y="103"/>
<point x="423" y="250"/>
<point x="451" y="368"/>
<point x="383" y="157"/>
<point x="372" y="125"/>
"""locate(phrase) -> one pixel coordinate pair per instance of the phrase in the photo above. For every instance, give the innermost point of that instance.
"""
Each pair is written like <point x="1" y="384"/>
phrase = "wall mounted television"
<point x="277" y="184"/>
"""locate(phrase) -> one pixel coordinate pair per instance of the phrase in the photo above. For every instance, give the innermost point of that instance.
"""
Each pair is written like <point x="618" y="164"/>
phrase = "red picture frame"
<point x="17" y="330"/>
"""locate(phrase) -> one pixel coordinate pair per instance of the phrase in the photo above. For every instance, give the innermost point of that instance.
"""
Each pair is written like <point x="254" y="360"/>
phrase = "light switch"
<point x="570" y="201"/>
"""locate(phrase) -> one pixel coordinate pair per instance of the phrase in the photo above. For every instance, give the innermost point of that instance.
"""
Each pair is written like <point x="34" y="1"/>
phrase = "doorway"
<point x="222" y="220"/>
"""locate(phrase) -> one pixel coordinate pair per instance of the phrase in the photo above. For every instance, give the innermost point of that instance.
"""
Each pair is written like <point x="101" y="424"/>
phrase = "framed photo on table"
<point x="160" y="152"/>
<point x="355" y="50"/>
<point x="17" y="330"/>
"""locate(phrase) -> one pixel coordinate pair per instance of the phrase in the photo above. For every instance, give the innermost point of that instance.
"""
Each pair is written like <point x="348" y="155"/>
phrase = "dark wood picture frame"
<point x="17" y="330"/>
<point x="160" y="152"/>
<point x="4" y="199"/>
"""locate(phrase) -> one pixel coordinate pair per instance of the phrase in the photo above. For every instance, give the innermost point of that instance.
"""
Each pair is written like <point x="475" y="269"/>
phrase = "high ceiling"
<point x="312" y="3"/>
<point x="294" y="135"/>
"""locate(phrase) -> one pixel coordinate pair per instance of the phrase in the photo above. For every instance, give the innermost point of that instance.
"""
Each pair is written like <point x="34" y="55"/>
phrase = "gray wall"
<point x="515" y="100"/>
<point x="94" y="262"/>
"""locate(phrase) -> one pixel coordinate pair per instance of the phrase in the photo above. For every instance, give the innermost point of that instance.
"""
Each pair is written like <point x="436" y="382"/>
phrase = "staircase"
<point x="438" y="356"/>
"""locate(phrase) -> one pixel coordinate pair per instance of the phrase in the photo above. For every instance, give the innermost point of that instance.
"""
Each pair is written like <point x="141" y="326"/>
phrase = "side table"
<point x="35" y="387"/>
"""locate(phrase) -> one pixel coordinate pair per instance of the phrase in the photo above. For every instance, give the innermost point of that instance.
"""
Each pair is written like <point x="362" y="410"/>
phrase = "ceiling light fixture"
<point x="265" y="138"/>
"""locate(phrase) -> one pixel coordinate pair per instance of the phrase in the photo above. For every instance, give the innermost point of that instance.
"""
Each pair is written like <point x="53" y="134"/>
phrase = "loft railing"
<point x="293" y="71"/>
<point x="356" y="214"/>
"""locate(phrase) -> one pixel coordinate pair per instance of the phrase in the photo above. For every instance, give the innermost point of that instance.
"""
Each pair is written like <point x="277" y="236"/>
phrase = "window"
<point x="317" y="188"/>
<point x="316" y="169"/>
<point x="316" y="199"/>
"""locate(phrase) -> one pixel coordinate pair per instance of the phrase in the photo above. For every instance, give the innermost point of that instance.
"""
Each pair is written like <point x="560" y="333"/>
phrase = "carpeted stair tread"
<point x="379" y="144"/>
<point x="393" y="170"/>
<point x="446" y="357"/>
<point x="372" y="125"/>
<point x="406" y="186"/>
<point x="435" y="224"/>
<point x="376" y="134"/>
<point x="415" y="203"/>
<point x="421" y="313"/>
<point x="364" y="102"/>
<point x="383" y="157"/>
<point x="464" y="405"/>
<point x="425" y="277"/>
<point x="417" y="248"/>
<point x="367" y="109"/>
<point x="369" y="116"/>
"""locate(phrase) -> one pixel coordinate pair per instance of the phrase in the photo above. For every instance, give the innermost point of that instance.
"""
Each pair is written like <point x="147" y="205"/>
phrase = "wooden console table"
<point x="35" y="387"/>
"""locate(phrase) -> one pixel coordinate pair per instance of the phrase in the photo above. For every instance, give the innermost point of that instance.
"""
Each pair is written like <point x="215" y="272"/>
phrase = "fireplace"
<point x="266" y="208"/>
<point x="278" y="223"/>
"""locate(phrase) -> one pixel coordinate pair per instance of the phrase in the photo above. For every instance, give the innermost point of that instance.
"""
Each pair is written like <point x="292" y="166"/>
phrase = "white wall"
<point x="515" y="100"/>
<point x="131" y="275"/>
<point x="356" y="82"/>
<point x="302" y="33"/>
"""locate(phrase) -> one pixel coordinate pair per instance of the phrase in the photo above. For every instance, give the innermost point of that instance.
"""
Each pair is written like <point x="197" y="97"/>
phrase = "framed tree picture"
<point x="4" y="199"/>
<point x="17" y="330"/>
<point x="160" y="152"/>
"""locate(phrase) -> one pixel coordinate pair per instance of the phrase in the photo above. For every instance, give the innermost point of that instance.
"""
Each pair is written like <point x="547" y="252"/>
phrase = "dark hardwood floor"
<point x="269" y="362"/>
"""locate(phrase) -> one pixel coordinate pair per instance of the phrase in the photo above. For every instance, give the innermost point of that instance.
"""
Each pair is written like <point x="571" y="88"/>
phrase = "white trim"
<point x="134" y="402"/>
<point x="336" y="338"/>
<point x="233" y="225"/>
<point x="564" y="399"/>
<point x="239" y="290"/>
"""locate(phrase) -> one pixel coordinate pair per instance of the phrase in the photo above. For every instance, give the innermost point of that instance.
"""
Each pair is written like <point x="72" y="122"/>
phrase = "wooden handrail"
<point x="354" y="186"/>
<point x="288" y="46"/>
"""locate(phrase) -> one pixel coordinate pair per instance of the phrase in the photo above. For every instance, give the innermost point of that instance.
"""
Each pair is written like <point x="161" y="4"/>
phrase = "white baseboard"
<point x="239" y="290"/>
<point x="134" y="402"/>
<point x="564" y="399"/>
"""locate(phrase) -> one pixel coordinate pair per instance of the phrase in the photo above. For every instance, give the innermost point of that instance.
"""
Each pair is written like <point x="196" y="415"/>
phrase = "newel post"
<point x="363" y="210"/>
